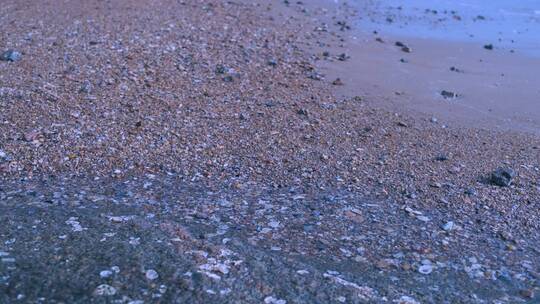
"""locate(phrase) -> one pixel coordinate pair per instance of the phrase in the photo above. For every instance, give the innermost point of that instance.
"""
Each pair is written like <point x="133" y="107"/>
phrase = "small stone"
<point x="337" y="82"/>
<point x="448" y="94"/>
<point x="425" y="269"/>
<point x="402" y="124"/>
<point x="86" y="87"/>
<point x="315" y="76"/>
<point x="105" y="274"/>
<point x="343" y="57"/>
<point x="449" y="226"/>
<point x="274" y="224"/>
<point x="502" y="177"/>
<point x="272" y="300"/>
<point x="220" y="69"/>
<point x="406" y="49"/>
<point x="488" y="47"/>
<point x="527" y="293"/>
<point x="423" y="218"/>
<point x="105" y="290"/>
<point x="151" y="274"/>
<point x="406" y="300"/>
<point x="121" y="218"/>
<point x="11" y="55"/>
<point x="441" y="157"/>
<point x="471" y="192"/>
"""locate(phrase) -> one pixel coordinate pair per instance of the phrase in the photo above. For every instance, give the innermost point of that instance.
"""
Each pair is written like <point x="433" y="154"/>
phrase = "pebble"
<point x="449" y="226"/>
<point x="86" y="87"/>
<point x="448" y="94"/>
<point x="441" y="157"/>
<point x="151" y="274"/>
<point x="423" y="218"/>
<point x="105" y="274"/>
<point x="272" y="300"/>
<point x="274" y="224"/>
<point x="105" y="290"/>
<point x="425" y="269"/>
<point x="121" y="218"/>
<point x="11" y="55"/>
<point x="75" y="225"/>
<point x="527" y="293"/>
<point x="406" y="300"/>
<point x="502" y="177"/>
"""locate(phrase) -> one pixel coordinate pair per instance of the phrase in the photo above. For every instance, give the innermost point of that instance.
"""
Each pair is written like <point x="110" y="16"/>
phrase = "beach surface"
<point x="206" y="152"/>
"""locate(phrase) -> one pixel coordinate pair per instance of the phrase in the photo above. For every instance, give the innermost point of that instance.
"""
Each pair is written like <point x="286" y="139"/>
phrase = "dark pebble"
<point x="11" y="55"/>
<point x="502" y="177"/>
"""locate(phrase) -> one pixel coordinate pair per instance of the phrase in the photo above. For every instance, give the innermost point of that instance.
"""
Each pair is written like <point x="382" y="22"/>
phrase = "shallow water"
<point x="510" y="24"/>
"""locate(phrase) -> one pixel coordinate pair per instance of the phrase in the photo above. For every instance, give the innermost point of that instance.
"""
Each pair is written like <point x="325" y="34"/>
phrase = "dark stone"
<point x="502" y="177"/>
<point x="441" y="157"/>
<point x="448" y="94"/>
<point x="337" y="82"/>
<point x="11" y="55"/>
<point x="315" y="76"/>
<point x="471" y="192"/>
<point x="406" y="49"/>
<point x="86" y="87"/>
<point x="343" y="57"/>
<point x="488" y="47"/>
<point x="220" y="69"/>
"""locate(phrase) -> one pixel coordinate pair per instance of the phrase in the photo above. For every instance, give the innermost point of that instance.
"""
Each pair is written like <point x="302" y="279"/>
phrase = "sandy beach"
<point x="261" y="152"/>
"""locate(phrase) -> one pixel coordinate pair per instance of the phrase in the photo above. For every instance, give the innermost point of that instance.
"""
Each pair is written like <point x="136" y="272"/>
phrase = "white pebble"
<point x="105" y="274"/>
<point x="105" y="290"/>
<point x="425" y="269"/>
<point x="449" y="226"/>
<point x="274" y="224"/>
<point x="272" y="300"/>
<point x="151" y="274"/>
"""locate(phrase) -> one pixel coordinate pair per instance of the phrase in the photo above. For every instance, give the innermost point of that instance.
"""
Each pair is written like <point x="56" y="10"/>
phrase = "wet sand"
<point x="496" y="89"/>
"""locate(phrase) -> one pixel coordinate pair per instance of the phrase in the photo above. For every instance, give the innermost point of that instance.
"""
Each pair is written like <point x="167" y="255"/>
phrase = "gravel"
<point x="128" y="145"/>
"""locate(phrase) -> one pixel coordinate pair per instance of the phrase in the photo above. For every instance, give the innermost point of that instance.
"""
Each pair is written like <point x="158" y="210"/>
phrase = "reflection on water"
<point x="509" y="24"/>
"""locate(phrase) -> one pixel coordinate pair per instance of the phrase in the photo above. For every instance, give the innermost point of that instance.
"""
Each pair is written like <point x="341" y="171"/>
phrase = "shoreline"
<point x="495" y="89"/>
